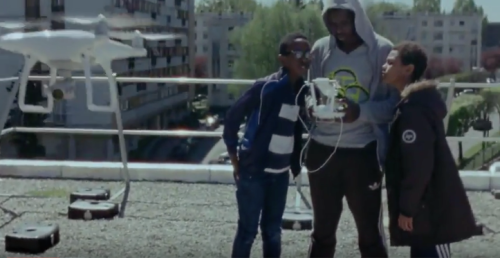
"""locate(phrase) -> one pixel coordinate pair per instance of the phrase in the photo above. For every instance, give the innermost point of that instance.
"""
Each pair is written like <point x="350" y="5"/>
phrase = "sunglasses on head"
<point x="299" y="54"/>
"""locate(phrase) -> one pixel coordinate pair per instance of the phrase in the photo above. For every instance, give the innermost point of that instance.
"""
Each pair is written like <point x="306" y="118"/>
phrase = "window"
<point x="424" y="23"/>
<point x="438" y="36"/>
<point x="141" y="86"/>
<point x="230" y="63"/>
<point x="461" y="23"/>
<point x="438" y="23"/>
<point x="131" y="63"/>
<point x="169" y="19"/>
<point x="205" y="48"/>
<point x="437" y="50"/>
<point x="205" y="35"/>
<point x="423" y="35"/>
<point x="230" y="28"/>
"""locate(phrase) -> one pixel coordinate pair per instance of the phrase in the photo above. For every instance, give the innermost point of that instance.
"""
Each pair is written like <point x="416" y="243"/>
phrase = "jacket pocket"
<point x="422" y="222"/>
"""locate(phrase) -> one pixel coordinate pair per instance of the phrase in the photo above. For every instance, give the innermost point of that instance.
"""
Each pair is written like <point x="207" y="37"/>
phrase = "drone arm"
<point x="90" y="90"/>
<point x="28" y="65"/>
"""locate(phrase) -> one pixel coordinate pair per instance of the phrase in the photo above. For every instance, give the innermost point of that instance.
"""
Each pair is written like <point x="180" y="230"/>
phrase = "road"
<point x="185" y="220"/>
<point x="208" y="149"/>
<point x="467" y="144"/>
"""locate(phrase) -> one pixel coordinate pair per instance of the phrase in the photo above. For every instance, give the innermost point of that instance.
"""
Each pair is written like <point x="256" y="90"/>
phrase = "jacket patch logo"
<point x="409" y="136"/>
<point x="374" y="186"/>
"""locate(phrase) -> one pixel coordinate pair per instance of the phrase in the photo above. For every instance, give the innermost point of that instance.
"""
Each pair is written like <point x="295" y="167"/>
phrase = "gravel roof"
<point x="185" y="220"/>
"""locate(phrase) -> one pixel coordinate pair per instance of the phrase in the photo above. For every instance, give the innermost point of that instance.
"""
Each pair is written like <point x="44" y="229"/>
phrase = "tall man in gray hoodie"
<point x="343" y="157"/>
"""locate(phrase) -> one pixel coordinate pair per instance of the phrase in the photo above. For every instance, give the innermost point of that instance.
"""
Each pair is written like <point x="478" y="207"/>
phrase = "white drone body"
<point x="75" y="50"/>
<point x="329" y="89"/>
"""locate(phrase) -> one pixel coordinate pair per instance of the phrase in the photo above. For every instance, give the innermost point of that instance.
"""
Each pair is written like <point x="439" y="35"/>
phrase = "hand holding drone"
<point x="332" y="108"/>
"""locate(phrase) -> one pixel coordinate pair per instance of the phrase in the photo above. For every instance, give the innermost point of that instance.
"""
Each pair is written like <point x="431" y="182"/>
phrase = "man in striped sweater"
<point x="269" y="149"/>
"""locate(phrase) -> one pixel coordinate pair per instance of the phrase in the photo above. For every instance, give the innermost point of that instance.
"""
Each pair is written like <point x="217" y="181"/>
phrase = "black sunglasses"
<point x="299" y="54"/>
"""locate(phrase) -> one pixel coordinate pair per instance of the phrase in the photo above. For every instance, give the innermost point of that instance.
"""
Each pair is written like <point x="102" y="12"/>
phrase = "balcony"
<point x="147" y="104"/>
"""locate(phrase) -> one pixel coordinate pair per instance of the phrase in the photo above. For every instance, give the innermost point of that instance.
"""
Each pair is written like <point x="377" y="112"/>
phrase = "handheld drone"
<point x="77" y="50"/>
<point x="331" y="109"/>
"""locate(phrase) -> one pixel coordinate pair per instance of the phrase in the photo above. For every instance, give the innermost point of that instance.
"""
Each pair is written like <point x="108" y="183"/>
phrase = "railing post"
<point x="449" y="101"/>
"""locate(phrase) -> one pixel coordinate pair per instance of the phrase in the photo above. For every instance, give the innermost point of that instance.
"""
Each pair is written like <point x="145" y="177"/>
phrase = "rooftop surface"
<point x="184" y="220"/>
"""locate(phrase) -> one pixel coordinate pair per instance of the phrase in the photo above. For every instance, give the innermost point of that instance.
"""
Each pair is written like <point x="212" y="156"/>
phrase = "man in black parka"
<point x="428" y="205"/>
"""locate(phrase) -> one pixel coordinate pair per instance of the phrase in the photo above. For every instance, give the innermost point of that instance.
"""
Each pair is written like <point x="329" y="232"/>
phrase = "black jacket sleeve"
<point x="417" y="147"/>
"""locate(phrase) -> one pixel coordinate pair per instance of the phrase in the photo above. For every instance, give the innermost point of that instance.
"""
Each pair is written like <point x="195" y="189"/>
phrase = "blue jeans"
<point x="266" y="193"/>
<point x="438" y="251"/>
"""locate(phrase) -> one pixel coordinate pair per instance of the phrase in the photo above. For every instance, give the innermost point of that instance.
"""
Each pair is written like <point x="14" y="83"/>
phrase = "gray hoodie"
<point x="376" y="111"/>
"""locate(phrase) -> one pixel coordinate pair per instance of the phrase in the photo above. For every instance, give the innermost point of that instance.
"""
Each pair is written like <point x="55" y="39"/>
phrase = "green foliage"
<point x="469" y="7"/>
<point x="431" y="6"/>
<point x="223" y="6"/>
<point x="474" y="76"/>
<point x="375" y="9"/>
<point x="258" y="40"/>
<point x="464" y="111"/>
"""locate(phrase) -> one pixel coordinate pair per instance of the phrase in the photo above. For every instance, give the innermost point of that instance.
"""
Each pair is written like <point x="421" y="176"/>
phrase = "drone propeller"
<point x="18" y="25"/>
<point x="113" y="21"/>
<point x="153" y="37"/>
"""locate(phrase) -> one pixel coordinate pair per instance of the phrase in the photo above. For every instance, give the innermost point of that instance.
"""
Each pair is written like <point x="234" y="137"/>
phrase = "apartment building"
<point x="491" y="35"/>
<point x="443" y="35"/>
<point x="144" y="105"/>
<point x="212" y="37"/>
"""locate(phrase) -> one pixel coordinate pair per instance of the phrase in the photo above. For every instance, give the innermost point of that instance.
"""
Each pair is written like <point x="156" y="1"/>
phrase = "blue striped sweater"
<point x="273" y="138"/>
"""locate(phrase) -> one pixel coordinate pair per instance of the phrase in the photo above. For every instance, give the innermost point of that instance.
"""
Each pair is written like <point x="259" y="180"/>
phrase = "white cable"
<point x="310" y="137"/>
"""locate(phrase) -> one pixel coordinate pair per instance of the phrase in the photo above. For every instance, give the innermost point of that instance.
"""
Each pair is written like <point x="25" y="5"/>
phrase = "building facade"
<point x="443" y="35"/>
<point x="212" y="35"/>
<point x="143" y="105"/>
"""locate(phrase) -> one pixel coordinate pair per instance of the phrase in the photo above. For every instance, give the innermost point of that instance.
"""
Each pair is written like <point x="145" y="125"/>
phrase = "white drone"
<point x="77" y="50"/>
<point x="331" y="108"/>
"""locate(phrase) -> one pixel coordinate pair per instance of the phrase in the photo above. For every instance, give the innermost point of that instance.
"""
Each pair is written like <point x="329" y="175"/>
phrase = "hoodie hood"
<point x="363" y="25"/>
<point x="425" y="94"/>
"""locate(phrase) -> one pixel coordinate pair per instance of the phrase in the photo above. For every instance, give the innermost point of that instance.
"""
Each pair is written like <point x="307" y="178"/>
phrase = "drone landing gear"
<point x="113" y="92"/>
<point x="23" y="78"/>
<point x="298" y="218"/>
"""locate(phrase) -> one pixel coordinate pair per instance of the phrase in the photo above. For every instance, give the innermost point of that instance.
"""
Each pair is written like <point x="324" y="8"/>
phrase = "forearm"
<point x="379" y="111"/>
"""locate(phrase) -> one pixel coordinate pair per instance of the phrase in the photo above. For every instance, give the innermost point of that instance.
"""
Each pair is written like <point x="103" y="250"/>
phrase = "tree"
<point x="200" y="67"/>
<point x="469" y="7"/>
<point x="430" y="6"/>
<point x="438" y="67"/>
<point x="258" y="40"/>
<point x="490" y="59"/>
<point x="222" y="6"/>
<point x="375" y="9"/>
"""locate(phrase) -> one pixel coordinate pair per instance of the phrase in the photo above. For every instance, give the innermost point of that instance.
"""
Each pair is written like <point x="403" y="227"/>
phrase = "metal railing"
<point x="120" y="132"/>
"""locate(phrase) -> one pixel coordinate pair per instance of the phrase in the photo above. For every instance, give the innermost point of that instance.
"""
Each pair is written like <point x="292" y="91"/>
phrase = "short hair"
<point x="411" y="53"/>
<point x="287" y="41"/>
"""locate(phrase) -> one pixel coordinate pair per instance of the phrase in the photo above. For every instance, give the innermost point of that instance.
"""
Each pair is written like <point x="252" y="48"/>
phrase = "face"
<point x="298" y="59"/>
<point x="394" y="72"/>
<point x="341" y="24"/>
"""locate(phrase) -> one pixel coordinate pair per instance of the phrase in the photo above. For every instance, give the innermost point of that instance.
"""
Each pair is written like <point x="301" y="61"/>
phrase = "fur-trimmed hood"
<point x="417" y="86"/>
<point x="424" y="94"/>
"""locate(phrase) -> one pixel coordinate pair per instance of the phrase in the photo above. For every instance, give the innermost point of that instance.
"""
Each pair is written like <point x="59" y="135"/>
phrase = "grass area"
<point x="478" y="147"/>
<point x="54" y="193"/>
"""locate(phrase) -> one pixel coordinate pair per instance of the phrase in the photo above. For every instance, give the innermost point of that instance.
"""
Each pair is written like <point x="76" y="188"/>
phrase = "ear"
<point x="282" y="60"/>
<point x="409" y="69"/>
